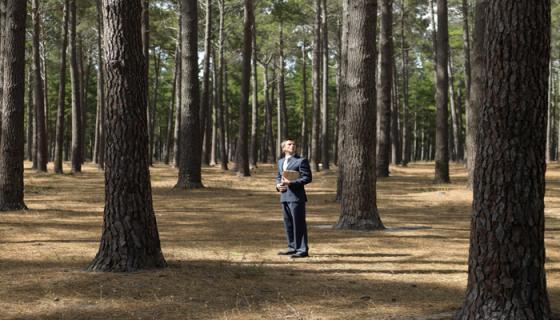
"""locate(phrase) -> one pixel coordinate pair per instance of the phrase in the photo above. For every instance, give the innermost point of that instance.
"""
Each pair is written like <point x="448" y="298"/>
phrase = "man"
<point x="293" y="198"/>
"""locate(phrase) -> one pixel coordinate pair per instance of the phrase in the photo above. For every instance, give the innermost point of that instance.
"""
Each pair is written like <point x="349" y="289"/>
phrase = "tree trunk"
<point x="39" y="98"/>
<point x="220" y="107"/>
<point x="76" y="107"/>
<point x="442" y="150"/>
<point x="171" y="109"/>
<point x="61" y="93"/>
<point x="100" y="158"/>
<point x="457" y="152"/>
<point x="343" y="96"/>
<point x="153" y="105"/>
<point x="358" y="205"/>
<point x="2" y="34"/>
<point x="205" y="100"/>
<point x="325" y="90"/>
<point x="477" y="86"/>
<point x="214" y="111"/>
<point x="130" y="239"/>
<point x="283" y="111"/>
<point x="304" y="130"/>
<point x="145" y="29"/>
<point x="254" y="102"/>
<point x="507" y="277"/>
<point x="549" y="129"/>
<point x="242" y="143"/>
<point x="30" y="118"/>
<point x="316" y="80"/>
<point x="11" y="138"/>
<point x="384" y="88"/>
<point x="467" y="63"/>
<point x="396" y="151"/>
<point x="269" y="148"/>
<point x="190" y="139"/>
<point x="179" y="92"/>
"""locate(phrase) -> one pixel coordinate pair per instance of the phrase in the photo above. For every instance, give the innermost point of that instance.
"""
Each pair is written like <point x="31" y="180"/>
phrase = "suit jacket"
<point x="296" y="191"/>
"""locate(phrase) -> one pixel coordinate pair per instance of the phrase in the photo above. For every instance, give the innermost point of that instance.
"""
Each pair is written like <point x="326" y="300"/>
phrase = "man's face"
<point x="289" y="147"/>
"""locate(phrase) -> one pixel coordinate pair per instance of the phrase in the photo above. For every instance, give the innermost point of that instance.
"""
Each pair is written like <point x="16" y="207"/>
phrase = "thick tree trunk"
<point x="358" y="205"/>
<point x="190" y="138"/>
<point x="384" y="88"/>
<point x="130" y="239"/>
<point x="507" y="252"/>
<point x="2" y="34"/>
<point x="442" y="97"/>
<point x="325" y="88"/>
<point x="221" y="105"/>
<point x="316" y="80"/>
<point x="254" y="102"/>
<point x="11" y="137"/>
<point x="343" y="96"/>
<point x="76" y="107"/>
<point x="242" y="143"/>
<point x="205" y="99"/>
<point x="39" y="97"/>
<point x="61" y="93"/>
<point x="477" y="87"/>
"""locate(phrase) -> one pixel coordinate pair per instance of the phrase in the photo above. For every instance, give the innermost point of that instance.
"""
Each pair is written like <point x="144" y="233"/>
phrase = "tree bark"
<point x="145" y="29"/>
<point x="467" y="68"/>
<point x="343" y="96"/>
<point x="153" y="105"/>
<point x="384" y="88"/>
<point x="477" y="86"/>
<point x="269" y="144"/>
<point x="549" y="106"/>
<point x="282" y="110"/>
<point x="396" y="150"/>
<point x="76" y="107"/>
<point x="316" y="80"/>
<point x="62" y="92"/>
<point x="358" y="205"/>
<point x="130" y="239"/>
<point x="242" y="143"/>
<point x="30" y="118"/>
<point x="2" y="34"/>
<point x="11" y="139"/>
<point x="442" y="97"/>
<point x="171" y="109"/>
<point x="190" y="139"/>
<point x="179" y="92"/>
<point x="325" y="88"/>
<point x="100" y="93"/>
<point x="507" y="277"/>
<point x="455" y="114"/>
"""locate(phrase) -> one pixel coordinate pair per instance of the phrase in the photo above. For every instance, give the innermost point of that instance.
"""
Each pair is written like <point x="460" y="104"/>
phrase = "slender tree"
<point x="467" y="55"/>
<point x="477" y="86"/>
<point x="76" y="107"/>
<point x="61" y="92"/>
<point x="190" y="138"/>
<point x="179" y="92"/>
<point x="269" y="141"/>
<point x="221" y="78"/>
<point x="325" y="159"/>
<point x="385" y="88"/>
<point x="42" y="155"/>
<point x="205" y="99"/>
<point x="171" y="109"/>
<point x="316" y="80"/>
<point x="254" y="100"/>
<point x="343" y="101"/>
<point x="100" y="93"/>
<point x="11" y="138"/>
<point x="507" y="277"/>
<point x="242" y="143"/>
<point x="30" y="118"/>
<point x="282" y="109"/>
<point x="358" y="203"/>
<point x="442" y="96"/>
<point x="130" y="239"/>
<point x="304" y="127"/>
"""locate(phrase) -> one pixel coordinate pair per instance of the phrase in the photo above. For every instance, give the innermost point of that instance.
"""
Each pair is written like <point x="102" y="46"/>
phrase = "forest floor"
<point x="221" y="244"/>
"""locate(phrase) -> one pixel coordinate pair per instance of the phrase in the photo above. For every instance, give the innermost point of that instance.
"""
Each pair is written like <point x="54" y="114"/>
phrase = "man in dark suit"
<point x="293" y="198"/>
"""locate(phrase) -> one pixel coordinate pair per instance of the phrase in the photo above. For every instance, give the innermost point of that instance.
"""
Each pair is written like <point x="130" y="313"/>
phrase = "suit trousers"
<point x="295" y="225"/>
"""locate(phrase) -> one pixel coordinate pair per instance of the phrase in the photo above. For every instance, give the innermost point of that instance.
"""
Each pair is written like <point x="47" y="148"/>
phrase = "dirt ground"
<point x="221" y="244"/>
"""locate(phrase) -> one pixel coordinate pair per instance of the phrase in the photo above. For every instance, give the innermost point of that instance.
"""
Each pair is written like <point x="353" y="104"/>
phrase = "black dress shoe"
<point x="300" y="255"/>
<point x="287" y="253"/>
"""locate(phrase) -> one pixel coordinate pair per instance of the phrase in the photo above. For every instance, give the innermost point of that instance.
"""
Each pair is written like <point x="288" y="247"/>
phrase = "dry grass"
<point x="221" y="245"/>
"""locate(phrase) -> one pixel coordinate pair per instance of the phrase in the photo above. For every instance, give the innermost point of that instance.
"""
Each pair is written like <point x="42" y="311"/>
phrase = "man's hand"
<point x="281" y="187"/>
<point x="285" y="182"/>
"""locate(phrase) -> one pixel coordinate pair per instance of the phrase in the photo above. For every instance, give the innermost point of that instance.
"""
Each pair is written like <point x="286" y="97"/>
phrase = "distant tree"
<point x="358" y="203"/>
<point x="39" y="97"/>
<point x="205" y="99"/>
<point x="253" y="150"/>
<point x="76" y="99"/>
<point x="220" y="106"/>
<point x="61" y="92"/>
<point x="325" y="157"/>
<point x="190" y="138"/>
<point x="506" y="278"/>
<point x="11" y="138"/>
<point x="130" y="239"/>
<point x="316" y="80"/>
